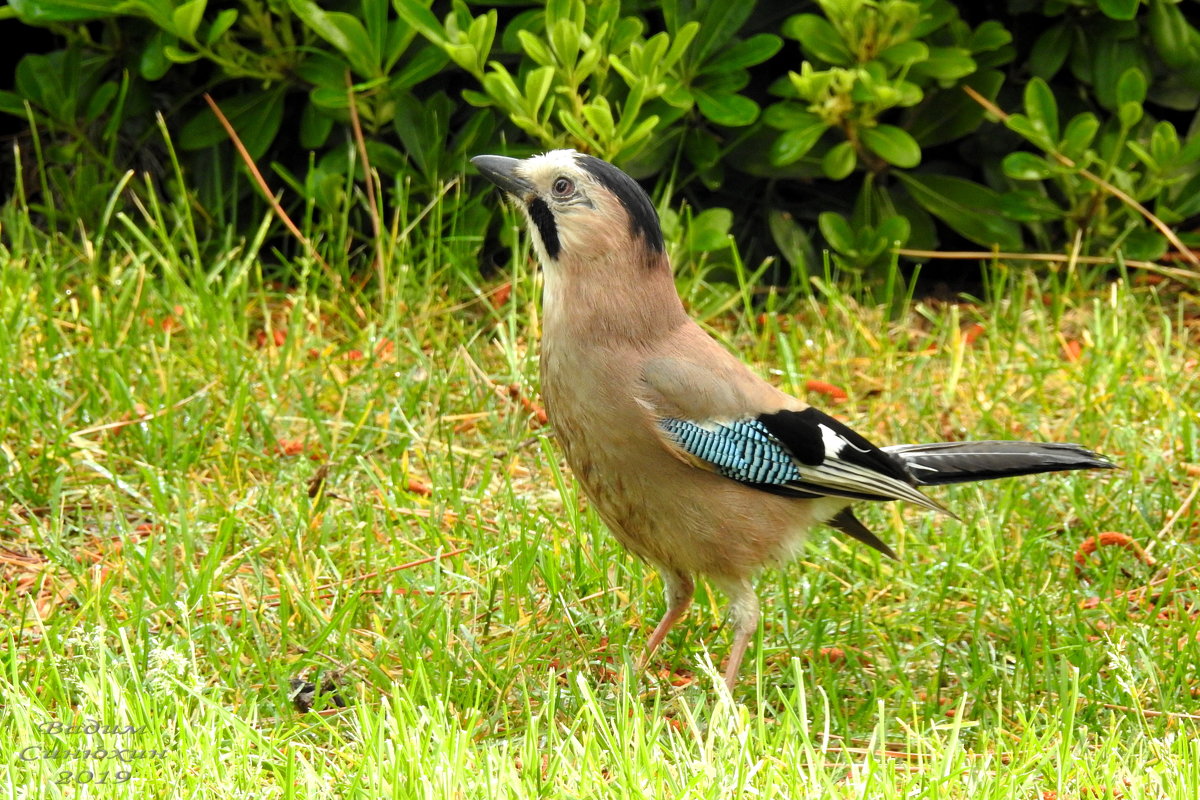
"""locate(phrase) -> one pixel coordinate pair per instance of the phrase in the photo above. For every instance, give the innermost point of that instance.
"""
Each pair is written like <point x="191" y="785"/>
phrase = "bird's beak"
<point x="501" y="170"/>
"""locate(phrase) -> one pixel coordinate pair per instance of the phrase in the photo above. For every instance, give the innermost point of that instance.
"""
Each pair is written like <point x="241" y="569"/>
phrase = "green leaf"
<point x="154" y="62"/>
<point x="946" y="64"/>
<point x="418" y="68"/>
<point x="256" y="116"/>
<point x="678" y="96"/>
<point x="894" y="231"/>
<point x="1025" y="127"/>
<point x="933" y="15"/>
<point x="538" y="84"/>
<point x="680" y="43"/>
<point x="100" y="100"/>
<point x="187" y="19"/>
<point x="726" y="108"/>
<point x="319" y="22"/>
<point x="967" y="207"/>
<point x="894" y="145"/>
<point x="755" y="50"/>
<point x="1144" y="155"/>
<point x="904" y="53"/>
<point x="345" y="32"/>
<point x="221" y="25"/>
<point x="315" y="127"/>
<point x="1119" y="9"/>
<point x="1111" y="57"/>
<point x="955" y="114"/>
<point x="565" y="39"/>
<point x="717" y="23"/>
<point x="818" y="38"/>
<point x="991" y="35"/>
<point x="1027" y="205"/>
<point x="1143" y="244"/>
<point x="1024" y="166"/>
<point x="792" y="145"/>
<point x="45" y="12"/>
<point x="177" y="55"/>
<point x="839" y="161"/>
<point x="12" y="103"/>
<point x="536" y="49"/>
<point x="1042" y="109"/>
<point x="1164" y="143"/>
<point x="922" y="229"/>
<point x="837" y="232"/>
<point x="792" y="239"/>
<point x="599" y="116"/>
<point x="785" y="115"/>
<point x="420" y="17"/>
<point x="1129" y="114"/>
<point x="1078" y="136"/>
<point x="709" y="230"/>
<point x="1050" y="51"/>
<point x="502" y="89"/>
<point x="481" y="35"/>
<point x="1131" y="88"/>
<point x="1171" y="35"/>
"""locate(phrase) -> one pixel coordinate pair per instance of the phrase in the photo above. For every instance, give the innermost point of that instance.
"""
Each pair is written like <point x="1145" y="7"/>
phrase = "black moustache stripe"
<point x="543" y="220"/>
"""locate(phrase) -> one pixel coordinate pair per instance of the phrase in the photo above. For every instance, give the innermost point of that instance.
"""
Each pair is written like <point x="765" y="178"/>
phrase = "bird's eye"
<point x="563" y="187"/>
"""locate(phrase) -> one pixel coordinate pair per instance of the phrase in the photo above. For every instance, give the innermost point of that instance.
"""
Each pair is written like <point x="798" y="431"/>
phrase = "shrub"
<point x="848" y="125"/>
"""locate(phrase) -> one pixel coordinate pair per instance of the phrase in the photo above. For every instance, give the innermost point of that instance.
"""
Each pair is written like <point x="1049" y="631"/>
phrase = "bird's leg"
<point x="743" y="612"/>
<point x="680" y="589"/>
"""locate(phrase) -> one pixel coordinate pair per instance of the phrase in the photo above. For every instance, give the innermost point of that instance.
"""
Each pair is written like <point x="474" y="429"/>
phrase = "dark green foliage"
<point x="840" y="123"/>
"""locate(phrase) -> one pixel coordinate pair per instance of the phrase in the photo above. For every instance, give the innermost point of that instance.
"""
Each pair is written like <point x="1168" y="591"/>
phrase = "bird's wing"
<point x="710" y="419"/>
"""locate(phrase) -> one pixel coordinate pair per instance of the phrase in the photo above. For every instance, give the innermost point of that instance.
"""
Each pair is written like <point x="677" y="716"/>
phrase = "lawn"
<point x="225" y="478"/>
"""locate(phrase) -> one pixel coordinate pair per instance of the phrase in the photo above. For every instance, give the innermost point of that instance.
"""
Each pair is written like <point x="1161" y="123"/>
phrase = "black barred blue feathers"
<point x="797" y="454"/>
<point x="742" y="449"/>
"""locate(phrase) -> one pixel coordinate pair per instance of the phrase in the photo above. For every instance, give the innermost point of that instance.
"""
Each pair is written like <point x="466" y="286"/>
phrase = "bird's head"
<point x="578" y="206"/>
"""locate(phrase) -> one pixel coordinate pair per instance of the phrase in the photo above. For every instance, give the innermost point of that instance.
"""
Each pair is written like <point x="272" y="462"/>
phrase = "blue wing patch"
<point x="743" y="450"/>
<point x="815" y="456"/>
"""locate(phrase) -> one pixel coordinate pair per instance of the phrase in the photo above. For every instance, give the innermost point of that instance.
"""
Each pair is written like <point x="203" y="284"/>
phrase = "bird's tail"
<point x="961" y="462"/>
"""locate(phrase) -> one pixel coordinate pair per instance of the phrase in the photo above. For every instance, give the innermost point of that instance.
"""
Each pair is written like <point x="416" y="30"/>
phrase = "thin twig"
<point x="274" y="202"/>
<point x="123" y="423"/>
<point x="1147" y="712"/>
<point x="270" y="598"/>
<point x="1165" y="229"/>
<point x="1179" y="512"/>
<point x="989" y="255"/>
<point x="361" y="143"/>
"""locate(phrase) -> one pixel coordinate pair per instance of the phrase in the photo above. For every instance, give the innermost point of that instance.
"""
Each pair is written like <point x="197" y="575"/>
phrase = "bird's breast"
<point x="665" y="511"/>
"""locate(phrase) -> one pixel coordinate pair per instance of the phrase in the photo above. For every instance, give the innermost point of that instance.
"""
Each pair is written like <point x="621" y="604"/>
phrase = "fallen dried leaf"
<point x="287" y="447"/>
<point x="1109" y="539"/>
<point x="827" y="389"/>
<point x="277" y="338"/>
<point x="500" y="295"/>
<point x="417" y="487"/>
<point x="538" y="413"/>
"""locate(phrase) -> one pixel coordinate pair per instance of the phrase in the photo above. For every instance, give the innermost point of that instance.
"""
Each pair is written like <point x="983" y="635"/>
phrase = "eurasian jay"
<point x="695" y="463"/>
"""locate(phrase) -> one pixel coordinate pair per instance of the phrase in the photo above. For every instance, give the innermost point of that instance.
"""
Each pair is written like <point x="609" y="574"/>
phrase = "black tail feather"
<point x="961" y="462"/>
<point x="847" y="523"/>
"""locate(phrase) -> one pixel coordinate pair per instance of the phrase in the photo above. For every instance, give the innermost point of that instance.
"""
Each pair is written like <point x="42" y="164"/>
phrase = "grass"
<point x="215" y="485"/>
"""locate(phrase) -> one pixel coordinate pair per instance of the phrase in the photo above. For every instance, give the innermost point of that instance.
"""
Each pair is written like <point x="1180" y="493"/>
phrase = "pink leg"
<point x="680" y="589"/>
<point x="743" y="612"/>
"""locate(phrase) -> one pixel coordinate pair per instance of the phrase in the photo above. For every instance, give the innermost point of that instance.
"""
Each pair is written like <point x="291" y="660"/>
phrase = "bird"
<point x="695" y="463"/>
